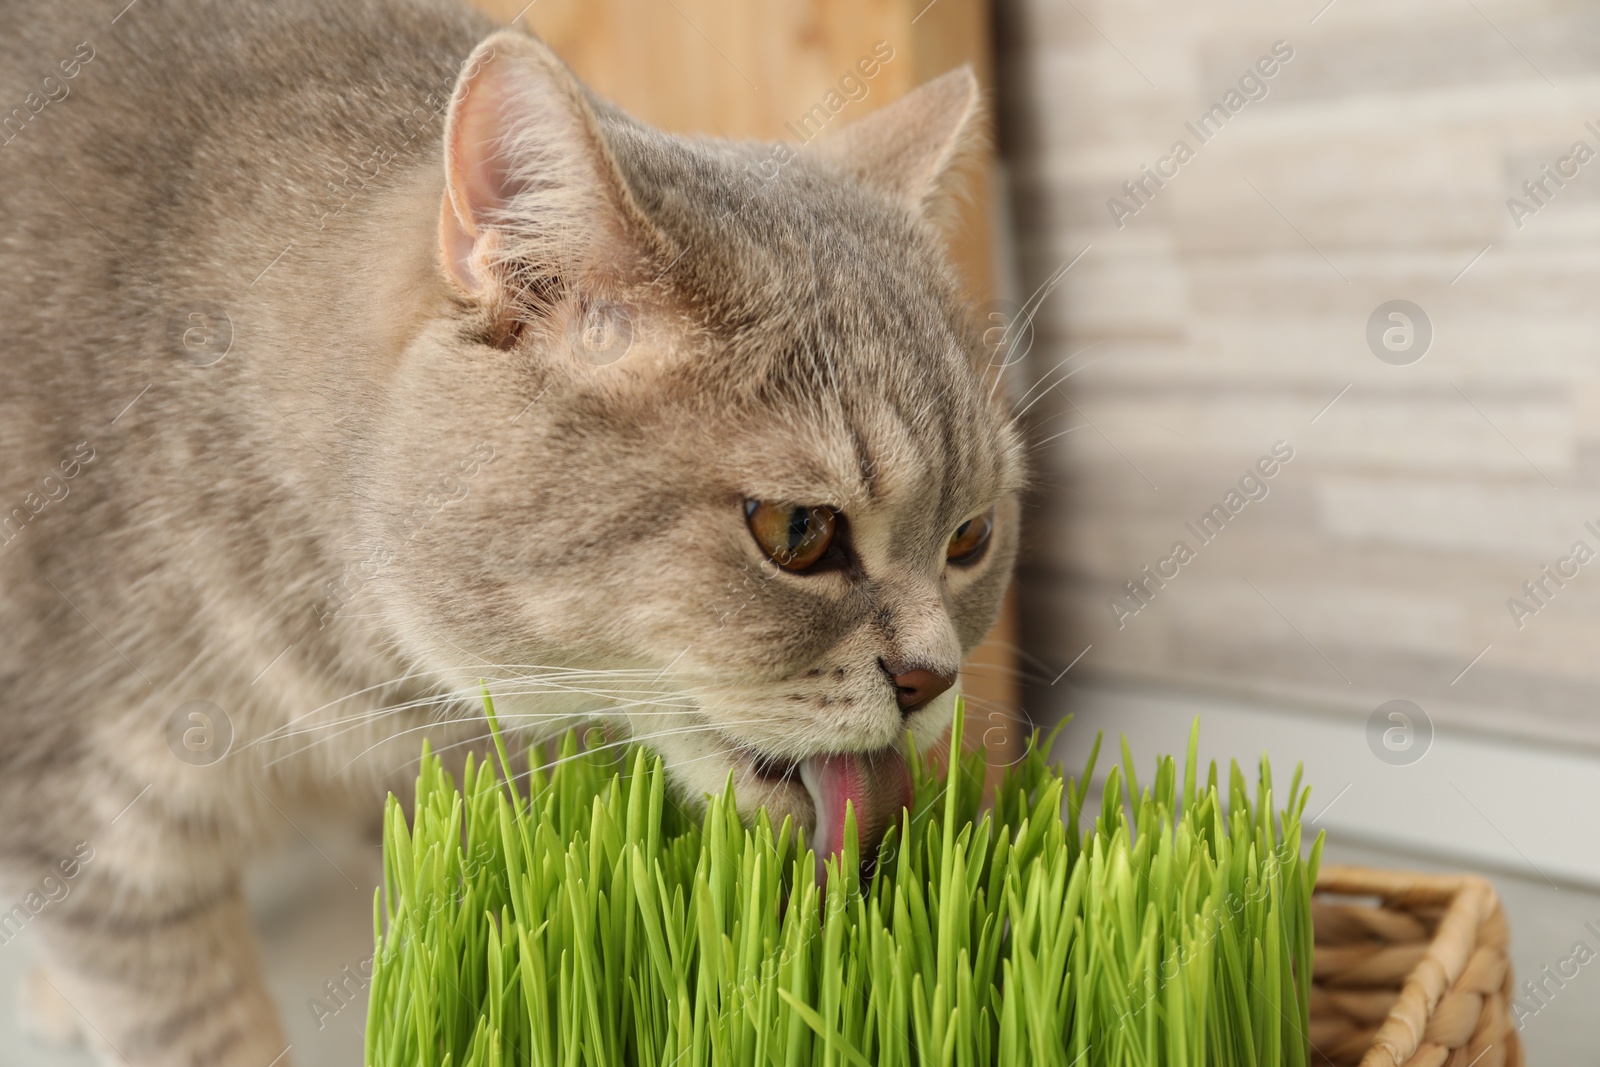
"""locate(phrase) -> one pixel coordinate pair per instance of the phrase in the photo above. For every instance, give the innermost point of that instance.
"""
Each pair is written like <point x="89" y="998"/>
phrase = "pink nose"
<point x="915" y="687"/>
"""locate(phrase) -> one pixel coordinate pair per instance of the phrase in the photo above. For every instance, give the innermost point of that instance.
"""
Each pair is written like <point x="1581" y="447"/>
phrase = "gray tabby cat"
<point x="354" y="353"/>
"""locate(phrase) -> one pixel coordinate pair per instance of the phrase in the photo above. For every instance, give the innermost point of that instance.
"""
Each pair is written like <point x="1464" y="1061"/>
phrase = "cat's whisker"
<point x="1022" y="654"/>
<point x="1044" y="441"/>
<point x="572" y="717"/>
<point x="421" y="673"/>
<point x="1004" y="670"/>
<point x="329" y="740"/>
<point x="1046" y="420"/>
<point x="394" y="737"/>
<point x="645" y="697"/>
<point x="283" y="733"/>
<point x="986" y="704"/>
<point x="403" y="679"/>
<point x="1058" y="383"/>
<point x="1029" y="309"/>
<point x="631" y="739"/>
<point x="642" y="672"/>
<point x="642" y="739"/>
<point x="467" y="701"/>
<point x="348" y="723"/>
<point x="467" y="697"/>
<point x="1044" y="377"/>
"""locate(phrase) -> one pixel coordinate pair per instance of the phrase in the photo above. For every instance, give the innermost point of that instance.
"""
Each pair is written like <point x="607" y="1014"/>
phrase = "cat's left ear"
<point x="532" y="190"/>
<point x="912" y="149"/>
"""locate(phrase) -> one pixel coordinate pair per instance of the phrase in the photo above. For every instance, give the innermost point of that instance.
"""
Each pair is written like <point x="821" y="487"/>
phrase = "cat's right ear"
<point x="913" y="148"/>
<point x="532" y="190"/>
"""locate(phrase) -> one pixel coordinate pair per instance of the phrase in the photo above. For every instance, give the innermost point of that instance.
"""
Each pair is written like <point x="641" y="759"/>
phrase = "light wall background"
<point x="1226" y="314"/>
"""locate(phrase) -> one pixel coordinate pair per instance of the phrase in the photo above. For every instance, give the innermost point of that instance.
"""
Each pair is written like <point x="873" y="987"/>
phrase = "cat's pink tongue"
<point x="877" y="785"/>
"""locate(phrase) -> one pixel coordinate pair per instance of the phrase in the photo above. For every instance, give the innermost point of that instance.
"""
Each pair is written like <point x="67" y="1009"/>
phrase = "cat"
<point x="389" y="361"/>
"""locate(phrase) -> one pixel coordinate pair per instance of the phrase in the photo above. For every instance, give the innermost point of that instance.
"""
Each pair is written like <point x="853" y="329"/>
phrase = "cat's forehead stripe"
<point x="826" y="300"/>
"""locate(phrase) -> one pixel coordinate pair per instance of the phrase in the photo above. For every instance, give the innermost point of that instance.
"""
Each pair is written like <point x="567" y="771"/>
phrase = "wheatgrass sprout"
<point x="585" y="920"/>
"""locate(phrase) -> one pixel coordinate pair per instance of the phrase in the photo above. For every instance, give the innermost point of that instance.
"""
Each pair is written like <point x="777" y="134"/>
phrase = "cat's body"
<point x="264" y="445"/>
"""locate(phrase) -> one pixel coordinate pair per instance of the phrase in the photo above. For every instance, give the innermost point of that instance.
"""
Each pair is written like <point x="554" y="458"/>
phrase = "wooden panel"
<point x="724" y="68"/>
<point x="736" y="69"/>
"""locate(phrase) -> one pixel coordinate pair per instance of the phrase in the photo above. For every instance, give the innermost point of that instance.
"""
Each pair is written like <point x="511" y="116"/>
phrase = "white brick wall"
<point x="1228" y="311"/>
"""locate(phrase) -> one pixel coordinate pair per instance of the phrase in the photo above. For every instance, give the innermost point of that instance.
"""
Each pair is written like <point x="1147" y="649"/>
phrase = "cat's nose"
<point x="916" y="686"/>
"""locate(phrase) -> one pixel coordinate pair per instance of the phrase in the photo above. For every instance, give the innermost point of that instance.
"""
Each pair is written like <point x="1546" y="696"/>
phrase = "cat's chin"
<point x="782" y="798"/>
<point x="759" y="781"/>
<point x="800" y="782"/>
<point x="814" y="792"/>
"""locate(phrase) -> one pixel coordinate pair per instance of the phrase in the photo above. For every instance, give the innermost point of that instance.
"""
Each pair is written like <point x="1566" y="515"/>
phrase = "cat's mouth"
<point x="873" y="787"/>
<point x="773" y="770"/>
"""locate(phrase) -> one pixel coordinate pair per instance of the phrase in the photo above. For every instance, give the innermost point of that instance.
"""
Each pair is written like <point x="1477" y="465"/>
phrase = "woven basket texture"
<point x="1410" y="970"/>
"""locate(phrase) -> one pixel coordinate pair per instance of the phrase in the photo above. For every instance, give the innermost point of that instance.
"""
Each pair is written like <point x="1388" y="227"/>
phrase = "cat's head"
<point x="722" y="461"/>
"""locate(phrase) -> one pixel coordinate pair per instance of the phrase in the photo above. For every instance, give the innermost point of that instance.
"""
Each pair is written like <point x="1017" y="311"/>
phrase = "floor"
<point x="314" y="914"/>
<point x="314" y="924"/>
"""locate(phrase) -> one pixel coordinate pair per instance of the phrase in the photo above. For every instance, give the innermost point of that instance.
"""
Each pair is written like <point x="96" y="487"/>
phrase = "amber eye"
<point x="970" y="539"/>
<point x="794" y="536"/>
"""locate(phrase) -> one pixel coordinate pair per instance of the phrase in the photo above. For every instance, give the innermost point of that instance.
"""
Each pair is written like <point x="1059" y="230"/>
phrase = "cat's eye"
<point x="967" y="544"/>
<point x="793" y="536"/>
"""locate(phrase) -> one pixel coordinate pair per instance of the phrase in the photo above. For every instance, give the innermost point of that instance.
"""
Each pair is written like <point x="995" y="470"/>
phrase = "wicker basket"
<point x="1410" y="969"/>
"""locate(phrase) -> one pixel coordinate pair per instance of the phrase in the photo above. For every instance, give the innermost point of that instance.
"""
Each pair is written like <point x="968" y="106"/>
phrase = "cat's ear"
<point x="911" y="149"/>
<point x="531" y="186"/>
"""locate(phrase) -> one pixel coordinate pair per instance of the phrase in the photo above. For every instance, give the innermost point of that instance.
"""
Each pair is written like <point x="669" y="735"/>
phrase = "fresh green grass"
<point x="583" y="919"/>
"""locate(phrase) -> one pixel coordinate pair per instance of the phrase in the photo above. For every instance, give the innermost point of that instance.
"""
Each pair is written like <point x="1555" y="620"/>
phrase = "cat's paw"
<point x="44" y="1014"/>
